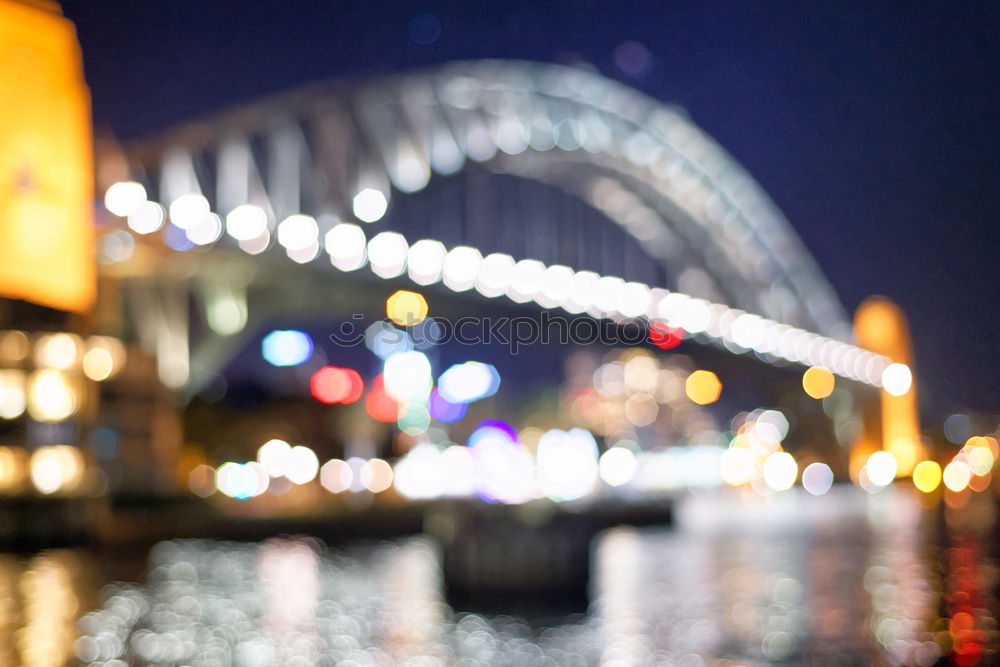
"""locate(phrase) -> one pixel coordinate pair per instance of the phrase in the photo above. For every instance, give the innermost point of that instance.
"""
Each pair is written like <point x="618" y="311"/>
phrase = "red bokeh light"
<point x="665" y="336"/>
<point x="336" y="385"/>
<point x="379" y="404"/>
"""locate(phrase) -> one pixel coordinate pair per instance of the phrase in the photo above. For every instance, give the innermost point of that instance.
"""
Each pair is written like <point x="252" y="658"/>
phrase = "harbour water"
<point x="842" y="579"/>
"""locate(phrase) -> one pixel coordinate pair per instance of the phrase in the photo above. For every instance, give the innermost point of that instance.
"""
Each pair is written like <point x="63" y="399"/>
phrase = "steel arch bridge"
<point x="695" y="240"/>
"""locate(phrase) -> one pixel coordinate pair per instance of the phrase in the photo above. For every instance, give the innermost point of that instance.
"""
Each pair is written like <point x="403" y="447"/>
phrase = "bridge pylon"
<point x="892" y="421"/>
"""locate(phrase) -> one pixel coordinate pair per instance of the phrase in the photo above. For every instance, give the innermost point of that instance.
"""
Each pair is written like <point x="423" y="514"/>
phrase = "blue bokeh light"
<point x="286" y="347"/>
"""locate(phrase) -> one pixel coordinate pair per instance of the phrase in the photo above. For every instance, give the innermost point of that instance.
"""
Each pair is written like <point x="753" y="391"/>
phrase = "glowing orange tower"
<point x="893" y="425"/>
<point x="46" y="162"/>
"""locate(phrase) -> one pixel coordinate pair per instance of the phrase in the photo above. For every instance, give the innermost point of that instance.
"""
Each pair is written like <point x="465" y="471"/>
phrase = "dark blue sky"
<point x="874" y="129"/>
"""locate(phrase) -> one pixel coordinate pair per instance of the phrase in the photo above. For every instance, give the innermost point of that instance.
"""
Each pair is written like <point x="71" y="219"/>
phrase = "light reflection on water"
<point x="845" y="578"/>
<point x="41" y="599"/>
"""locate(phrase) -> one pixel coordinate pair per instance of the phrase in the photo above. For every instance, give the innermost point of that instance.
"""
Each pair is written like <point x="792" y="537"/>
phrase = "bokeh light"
<point x="147" y="218"/>
<point x="336" y="476"/>
<point x="331" y="384"/>
<point x="298" y="232"/>
<point x="896" y="379"/>
<point x="425" y="261"/>
<point x="881" y="468"/>
<point x="274" y="456"/>
<point x="703" y="387"/>
<point x="818" y="382"/>
<point x="927" y="476"/>
<point x="461" y="268"/>
<point x="664" y="336"/>
<point x="302" y="466"/>
<point x="444" y="410"/>
<point x="124" y="198"/>
<point x="346" y="245"/>
<point x="407" y="376"/>
<point x="567" y="463"/>
<point x="379" y="405"/>
<point x="105" y="358"/>
<point x="737" y="466"/>
<point x="469" y="382"/>
<point x="52" y="396"/>
<point x="60" y="351"/>
<point x="387" y="254"/>
<point x="780" y="471"/>
<point x="244" y="223"/>
<point x="369" y="205"/>
<point x="617" y="466"/>
<point x="188" y="209"/>
<point x="504" y="470"/>
<point x="817" y="478"/>
<point x="286" y="347"/>
<point x="57" y="468"/>
<point x="406" y="308"/>
<point x="241" y="480"/>
<point x="376" y="475"/>
<point x="13" y="393"/>
<point x="956" y="475"/>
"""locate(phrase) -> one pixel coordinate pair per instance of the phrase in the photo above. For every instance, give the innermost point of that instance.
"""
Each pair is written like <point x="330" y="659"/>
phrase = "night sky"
<point x="874" y="129"/>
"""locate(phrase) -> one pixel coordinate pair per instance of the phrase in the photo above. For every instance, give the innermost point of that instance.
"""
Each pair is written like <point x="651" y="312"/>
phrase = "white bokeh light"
<point x="461" y="268"/>
<point x="496" y="272"/>
<point x="274" y="455"/>
<point x="387" y="254"/>
<point x="147" y="218"/>
<point x="205" y="231"/>
<point x="124" y="198"/>
<point x="897" y="379"/>
<point x="617" y="466"/>
<point x="245" y="222"/>
<point x="298" y="232"/>
<point x="187" y="210"/>
<point x="370" y="205"/>
<point x="817" y="478"/>
<point x="425" y="261"/>
<point x="881" y="468"/>
<point x="346" y="245"/>
<point x="302" y="465"/>
<point x="780" y="471"/>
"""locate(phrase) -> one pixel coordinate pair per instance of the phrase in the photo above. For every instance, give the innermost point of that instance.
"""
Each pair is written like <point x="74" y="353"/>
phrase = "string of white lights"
<point x="463" y="268"/>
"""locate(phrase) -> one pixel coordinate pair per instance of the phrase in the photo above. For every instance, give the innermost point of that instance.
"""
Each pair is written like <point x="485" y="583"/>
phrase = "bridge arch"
<point x="716" y="236"/>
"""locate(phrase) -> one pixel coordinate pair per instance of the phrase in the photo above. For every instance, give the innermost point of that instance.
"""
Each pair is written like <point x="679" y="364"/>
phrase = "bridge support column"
<point x="891" y="422"/>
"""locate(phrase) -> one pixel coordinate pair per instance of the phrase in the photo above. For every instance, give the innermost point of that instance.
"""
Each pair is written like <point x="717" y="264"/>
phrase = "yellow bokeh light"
<point x="927" y="476"/>
<point x="98" y="364"/>
<point x="14" y="345"/>
<point x="56" y="468"/>
<point x="818" y="382"/>
<point x="13" y="467"/>
<point x="105" y="358"/>
<point x="990" y="443"/>
<point x="979" y="460"/>
<point x="406" y="308"/>
<point x="59" y="351"/>
<point x="51" y="396"/>
<point x="12" y="395"/>
<point x="703" y="387"/>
